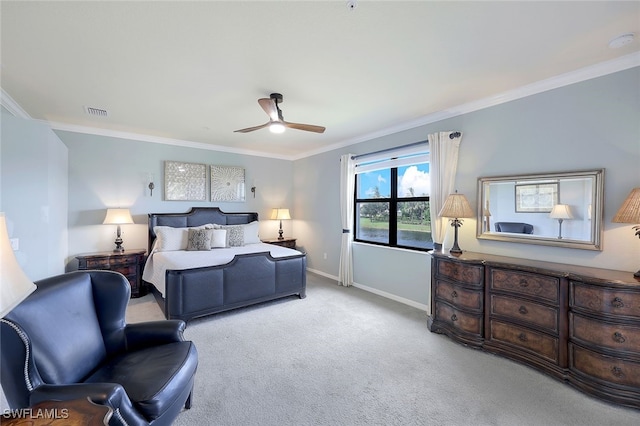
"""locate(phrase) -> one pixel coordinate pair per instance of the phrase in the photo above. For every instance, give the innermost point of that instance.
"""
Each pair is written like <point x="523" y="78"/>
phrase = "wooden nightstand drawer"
<point x="130" y="263"/>
<point x="522" y="283"/>
<point x="285" y="242"/>
<point x="98" y="263"/>
<point x="524" y="311"/>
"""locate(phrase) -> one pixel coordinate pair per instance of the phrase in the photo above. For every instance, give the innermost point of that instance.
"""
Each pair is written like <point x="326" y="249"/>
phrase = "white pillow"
<point x="251" y="233"/>
<point x="171" y="239"/>
<point x="219" y="239"/>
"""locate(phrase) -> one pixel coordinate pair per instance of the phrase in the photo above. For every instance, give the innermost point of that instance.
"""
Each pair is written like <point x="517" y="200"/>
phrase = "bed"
<point x="193" y="283"/>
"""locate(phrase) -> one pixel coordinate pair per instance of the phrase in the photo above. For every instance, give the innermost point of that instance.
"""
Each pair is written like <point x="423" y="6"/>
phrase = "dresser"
<point x="577" y="324"/>
<point x="129" y="263"/>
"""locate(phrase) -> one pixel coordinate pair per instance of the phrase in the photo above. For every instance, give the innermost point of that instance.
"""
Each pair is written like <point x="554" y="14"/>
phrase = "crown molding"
<point x="156" y="139"/>
<point x="12" y="106"/>
<point x="587" y="73"/>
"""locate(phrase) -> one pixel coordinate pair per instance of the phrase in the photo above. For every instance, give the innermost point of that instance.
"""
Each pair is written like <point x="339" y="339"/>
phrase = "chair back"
<point x="68" y="330"/>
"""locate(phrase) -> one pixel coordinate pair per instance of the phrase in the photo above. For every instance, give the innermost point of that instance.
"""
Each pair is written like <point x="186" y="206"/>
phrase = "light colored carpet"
<point x="344" y="356"/>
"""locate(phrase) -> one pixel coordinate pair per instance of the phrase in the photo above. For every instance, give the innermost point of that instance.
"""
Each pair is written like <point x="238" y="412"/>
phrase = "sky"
<point x="415" y="176"/>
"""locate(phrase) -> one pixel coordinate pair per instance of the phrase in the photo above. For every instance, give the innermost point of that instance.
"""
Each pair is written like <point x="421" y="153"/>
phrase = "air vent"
<point x="96" y="112"/>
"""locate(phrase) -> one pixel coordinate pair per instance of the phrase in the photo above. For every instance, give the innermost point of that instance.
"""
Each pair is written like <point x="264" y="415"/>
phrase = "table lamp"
<point x="280" y="214"/>
<point x="118" y="217"/>
<point x="456" y="206"/>
<point x="15" y="286"/>
<point x="629" y="212"/>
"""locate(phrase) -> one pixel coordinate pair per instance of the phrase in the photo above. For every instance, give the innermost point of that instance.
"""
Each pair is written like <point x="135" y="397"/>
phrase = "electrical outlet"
<point x="15" y="244"/>
<point x="324" y="256"/>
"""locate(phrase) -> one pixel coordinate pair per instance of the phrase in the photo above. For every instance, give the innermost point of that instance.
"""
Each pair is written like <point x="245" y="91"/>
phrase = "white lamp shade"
<point x="15" y="286"/>
<point x="456" y="206"/>
<point x="118" y="217"/>
<point x="561" y="211"/>
<point x="280" y="214"/>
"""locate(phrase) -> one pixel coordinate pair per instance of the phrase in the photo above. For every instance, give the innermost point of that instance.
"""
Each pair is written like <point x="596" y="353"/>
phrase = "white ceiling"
<point x="191" y="72"/>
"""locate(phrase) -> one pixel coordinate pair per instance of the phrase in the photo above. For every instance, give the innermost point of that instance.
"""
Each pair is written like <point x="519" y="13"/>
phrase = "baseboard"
<point x="385" y="294"/>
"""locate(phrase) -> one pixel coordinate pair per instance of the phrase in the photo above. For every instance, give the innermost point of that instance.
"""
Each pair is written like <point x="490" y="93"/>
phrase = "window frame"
<point x="393" y="201"/>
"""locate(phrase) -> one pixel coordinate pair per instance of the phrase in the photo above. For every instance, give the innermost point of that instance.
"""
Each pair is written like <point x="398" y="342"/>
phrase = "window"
<point x="392" y="199"/>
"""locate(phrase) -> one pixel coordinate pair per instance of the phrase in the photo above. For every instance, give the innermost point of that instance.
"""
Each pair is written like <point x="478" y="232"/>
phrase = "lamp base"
<point x="455" y="250"/>
<point x="280" y="232"/>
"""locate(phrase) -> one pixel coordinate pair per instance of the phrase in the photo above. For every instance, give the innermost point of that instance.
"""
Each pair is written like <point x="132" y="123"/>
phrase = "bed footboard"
<point x="246" y="280"/>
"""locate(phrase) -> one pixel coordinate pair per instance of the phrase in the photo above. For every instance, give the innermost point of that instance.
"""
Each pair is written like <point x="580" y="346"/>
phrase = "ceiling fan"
<point x="276" y="123"/>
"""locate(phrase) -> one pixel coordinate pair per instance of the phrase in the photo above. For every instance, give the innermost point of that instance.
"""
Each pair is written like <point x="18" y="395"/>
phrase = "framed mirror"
<point x="555" y="209"/>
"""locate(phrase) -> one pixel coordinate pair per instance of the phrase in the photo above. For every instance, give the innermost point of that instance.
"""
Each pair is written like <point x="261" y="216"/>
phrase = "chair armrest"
<point x="111" y="395"/>
<point x="153" y="333"/>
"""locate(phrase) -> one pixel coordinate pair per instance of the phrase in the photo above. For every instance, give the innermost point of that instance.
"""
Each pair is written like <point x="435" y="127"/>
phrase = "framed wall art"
<point x="227" y="183"/>
<point x="185" y="181"/>
<point x="536" y="198"/>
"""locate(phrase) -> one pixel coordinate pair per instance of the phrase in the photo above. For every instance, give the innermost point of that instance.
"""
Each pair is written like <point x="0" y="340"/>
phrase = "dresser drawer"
<point x="464" y="274"/>
<point x="458" y="319"/>
<point x="523" y="283"/>
<point x="528" y="312"/>
<point x="539" y="343"/>
<point x="603" y="367"/>
<point x="604" y="300"/>
<point x="459" y="296"/>
<point x="605" y="334"/>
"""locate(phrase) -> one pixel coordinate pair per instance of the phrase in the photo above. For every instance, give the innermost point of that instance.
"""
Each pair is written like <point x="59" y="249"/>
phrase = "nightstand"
<point x="285" y="242"/>
<point x="129" y="263"/>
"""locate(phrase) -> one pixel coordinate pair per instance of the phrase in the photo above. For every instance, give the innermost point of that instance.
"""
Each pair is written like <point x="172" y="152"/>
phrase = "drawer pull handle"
<point x="523" y="310"/>
<point x="618" y="337"/>
<point x="454" y="317"/>
<point x="617" y="371"/>
<point x="454" y="294"/>
<point x="617" y="303"/>
<point x="524" y="283"/>
<point x="522" y="337"/>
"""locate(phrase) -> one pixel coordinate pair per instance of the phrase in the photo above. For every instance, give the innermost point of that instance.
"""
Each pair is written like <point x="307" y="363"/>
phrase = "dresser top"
<point x="550" y="268"/>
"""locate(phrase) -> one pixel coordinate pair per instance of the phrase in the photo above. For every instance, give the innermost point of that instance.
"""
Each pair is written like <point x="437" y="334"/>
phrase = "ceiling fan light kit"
<point x="276" y="121"/>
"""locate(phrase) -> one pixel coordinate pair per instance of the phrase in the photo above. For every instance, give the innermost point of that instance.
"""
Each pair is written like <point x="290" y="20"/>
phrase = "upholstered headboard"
<point x="195" y="217"/>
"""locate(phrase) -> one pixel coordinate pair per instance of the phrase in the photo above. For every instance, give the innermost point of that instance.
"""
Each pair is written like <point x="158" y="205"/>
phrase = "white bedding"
<point x="161" y="261"/>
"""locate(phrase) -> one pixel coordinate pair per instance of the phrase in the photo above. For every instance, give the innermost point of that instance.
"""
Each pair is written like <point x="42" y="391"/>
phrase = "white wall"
<point x="588" y="125"/>
<point x="34" y="194"/>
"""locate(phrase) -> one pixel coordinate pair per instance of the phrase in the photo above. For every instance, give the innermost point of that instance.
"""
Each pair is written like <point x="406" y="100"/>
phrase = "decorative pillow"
<point x="251" y="232"/>
<point x="235" y="235"/>
<point x="219" y="239"/>
<point x="199" y="239"/>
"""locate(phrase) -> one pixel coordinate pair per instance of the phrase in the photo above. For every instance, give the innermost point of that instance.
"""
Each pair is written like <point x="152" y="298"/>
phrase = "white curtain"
<point x="347" y="183"/>
<point x="442" y="168"/>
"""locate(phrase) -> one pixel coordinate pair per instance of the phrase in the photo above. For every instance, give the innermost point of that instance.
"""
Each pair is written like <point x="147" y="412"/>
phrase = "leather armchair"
<point x="514" y="227"/>
<point x="69" y="340"/>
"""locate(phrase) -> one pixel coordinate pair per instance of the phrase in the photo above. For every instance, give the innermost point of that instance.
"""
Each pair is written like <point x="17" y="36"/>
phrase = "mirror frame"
<point x="597" y="194"/>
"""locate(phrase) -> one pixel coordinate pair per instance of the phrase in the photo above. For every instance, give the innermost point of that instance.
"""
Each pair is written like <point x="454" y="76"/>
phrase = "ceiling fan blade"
<point x="306" y="127"/>
<point x="269" y="106"/>
<point x="251" y="129"/>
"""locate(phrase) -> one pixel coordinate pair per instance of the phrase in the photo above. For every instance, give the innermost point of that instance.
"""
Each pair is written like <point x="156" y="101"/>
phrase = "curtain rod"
<point x="452" y="135"/>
